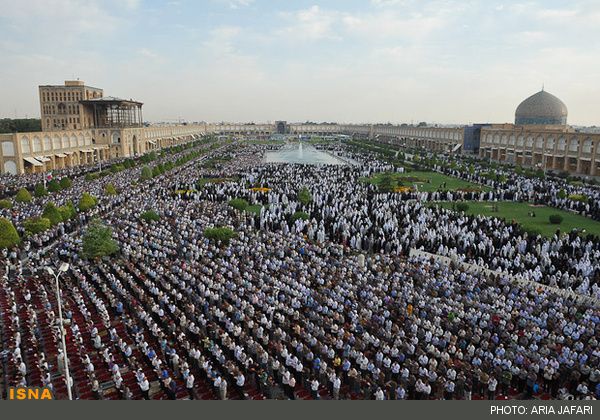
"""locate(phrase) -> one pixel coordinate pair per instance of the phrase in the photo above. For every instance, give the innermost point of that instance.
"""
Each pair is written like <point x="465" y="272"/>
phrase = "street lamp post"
<point x="63" y="268"/>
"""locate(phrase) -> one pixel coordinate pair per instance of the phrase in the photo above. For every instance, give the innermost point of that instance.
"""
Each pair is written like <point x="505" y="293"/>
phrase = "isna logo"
<point x="30" y="393"/>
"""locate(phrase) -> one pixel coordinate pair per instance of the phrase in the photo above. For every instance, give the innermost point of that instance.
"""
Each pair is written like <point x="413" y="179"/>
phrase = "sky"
<point x="344" y="61"/>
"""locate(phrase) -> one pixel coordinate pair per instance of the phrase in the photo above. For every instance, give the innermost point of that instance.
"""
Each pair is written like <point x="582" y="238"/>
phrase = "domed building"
<point x="543" y="108"/>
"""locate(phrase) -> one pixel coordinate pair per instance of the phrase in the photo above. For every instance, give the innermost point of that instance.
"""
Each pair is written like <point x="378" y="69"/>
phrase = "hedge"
<point x="531" y="230"/>
<point x="22" y="196"/>
<point x="239" y="204"/>
<point x="300" y="215"/>
<point x="555" y="219"/>
<point x="65" y="183"/>
<point x="54" y="186"/>
<point x="51" y="213"/>
<point x="149" y="215"/>
<point x="220" y="234"/>
<point x="5" y="204"/>
<point x="40" y="191"/>
<point x="8" y="234"/>
<point x="36" y="225"/>
<point x="462" y="206"/>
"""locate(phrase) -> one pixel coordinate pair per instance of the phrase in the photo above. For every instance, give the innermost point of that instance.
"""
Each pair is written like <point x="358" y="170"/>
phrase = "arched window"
<point x="496" y="138"/>
<point x="37" y="144"/>
<point x="10" y="167"/>
<point x="47" y="143"/>
<point x="65" y="142"/>
<point x="73" y="141"/>
<point x="520" y="140"/>
<point x="529" y="142"/>
<point x="80" y="140"/>
<point x="25" y="146"/>
<point x="8" y="148"/>
<point x="550" y="143"/>
<point x="539" y="142"/>
<point x="55" y="142"/>
<point x="504" y="139"/>
<point x="511" y="140"/>
<point x="587" y="146"/>
<point x="562" y="144"/>
<point x="114" y="138"/>
<point x="574" y="145"/>
<point x="88" y="139"/>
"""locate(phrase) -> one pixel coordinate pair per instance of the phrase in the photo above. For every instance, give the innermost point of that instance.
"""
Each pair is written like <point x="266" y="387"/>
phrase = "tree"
<point x="86" y="202"/>
<point x="238" y="204"/>
<point x="300" y="215"/>
<point x="304" y="196"/>
<point x="51" y="213"/>
<point x="23" y="196"/>
<point x="65" y="183"/>
<point x="36" y="225"/>
<point x="8" y="234"/>
<point x="562" y="194"/>
<point x="54" y="186"/>
<point x="223" y="235"/>
<point x="149" y="215"/>
<point x="555" y="219"/>
<point x="5" y="204"/>
<point x="68" y="211"/>
<point x="40" y="190"/>
<point x="501" y="178"/>
<point x="155" y="171"/>
<point x="110" y="190"/>
<point x="97" y="240"/>
<point x="146" y="172"/>
<point x="518" y="169"/>
<point x="114" y="169"/>
<point x="386" y="183"/>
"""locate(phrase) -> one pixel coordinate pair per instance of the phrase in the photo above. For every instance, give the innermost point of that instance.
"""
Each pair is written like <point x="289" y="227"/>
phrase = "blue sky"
<point x="440" y="61"/>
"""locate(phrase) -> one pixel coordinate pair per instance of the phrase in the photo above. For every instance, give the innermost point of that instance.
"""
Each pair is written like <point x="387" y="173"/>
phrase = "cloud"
<point x="234" y="4"/>
<point x="147" y="53"/>
<point x="311" y="24"/>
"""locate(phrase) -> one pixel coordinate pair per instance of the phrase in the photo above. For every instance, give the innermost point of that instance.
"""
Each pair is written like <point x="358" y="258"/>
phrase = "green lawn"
<point x="518" y="212"/>
<point x="436" y="180"/>
<point x="255" y="208"/>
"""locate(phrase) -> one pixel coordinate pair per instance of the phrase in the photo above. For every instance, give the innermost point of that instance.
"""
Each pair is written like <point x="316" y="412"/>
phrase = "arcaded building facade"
<point x="541" y="137"/>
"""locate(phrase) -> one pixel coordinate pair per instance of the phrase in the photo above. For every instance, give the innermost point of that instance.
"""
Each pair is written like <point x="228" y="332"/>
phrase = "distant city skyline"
<point x="345" y="61"/>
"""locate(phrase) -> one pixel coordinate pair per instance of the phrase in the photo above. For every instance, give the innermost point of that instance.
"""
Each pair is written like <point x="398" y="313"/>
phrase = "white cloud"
<point x="234" y="4"/>
<point x="147" y="53"/>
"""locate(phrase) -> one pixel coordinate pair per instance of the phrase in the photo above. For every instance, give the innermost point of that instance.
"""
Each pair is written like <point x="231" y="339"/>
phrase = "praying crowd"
<point x="331" y="307"/>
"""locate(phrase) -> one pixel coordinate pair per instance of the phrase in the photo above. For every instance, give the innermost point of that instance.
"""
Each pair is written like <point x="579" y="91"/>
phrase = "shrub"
<point x="36" y="225"/>
<point x="462" y="206"/>
<point x="155" y="171"/>
<point x="8" y="234"/>
<point x="86" y="202"/>
<point x="110" y="190"/>
<point x="97" y="240"/>
<point x="5" y="204"/>
<point x="561" y="194"/>
<point x="120" y="168"/>
<point x="531" y="230"/>
<point x="65" y="183"/>
<point x="146" y="172"/>
<point x="67" y="211"/>
<point x="54" y="186"/>
<point x="114" y="169"/>
<point x="91" y="177"/>
<point x="23" y="196"/>
<point x="238" y="204"/>
<point x="40" y="191"/>
<point x="51" y="213"/>
<point x="300" y="215"/>
<point x="304" y="196"/>
<point x="220" y="234"/>
<point x="579" y="197"/>
<point x="555" y="219"/>
<point x="104" y="173"/>
<point x="149" y="215"/>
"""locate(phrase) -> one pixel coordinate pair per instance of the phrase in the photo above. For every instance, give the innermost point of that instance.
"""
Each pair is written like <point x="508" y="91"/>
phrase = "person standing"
<point x="337" y="384"/>
<point x="189" y="384"/>
<point x="492" y="384"/>
<point x="145" y="387"/>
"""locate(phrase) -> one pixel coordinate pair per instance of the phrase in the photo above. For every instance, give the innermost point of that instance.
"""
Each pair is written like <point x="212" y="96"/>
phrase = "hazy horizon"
<point x="398" y="61"/>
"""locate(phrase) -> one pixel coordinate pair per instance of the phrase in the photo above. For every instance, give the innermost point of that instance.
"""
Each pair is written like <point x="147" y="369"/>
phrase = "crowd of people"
<point x="327" y="307"/>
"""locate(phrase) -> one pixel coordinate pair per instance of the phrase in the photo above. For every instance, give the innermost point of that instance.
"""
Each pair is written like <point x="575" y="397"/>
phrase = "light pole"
<point x="63" y="268"/>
